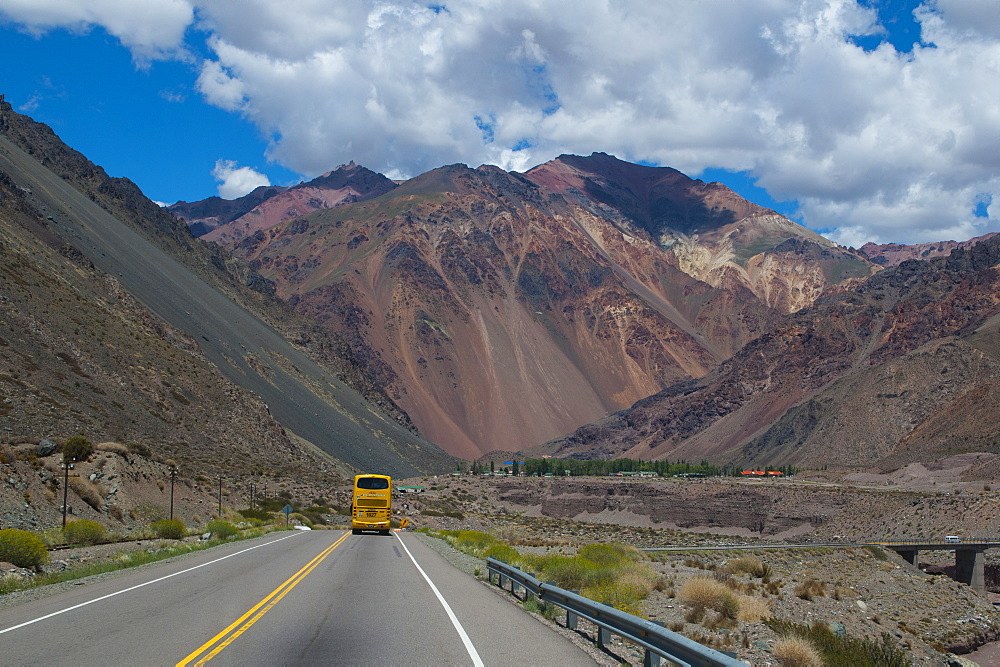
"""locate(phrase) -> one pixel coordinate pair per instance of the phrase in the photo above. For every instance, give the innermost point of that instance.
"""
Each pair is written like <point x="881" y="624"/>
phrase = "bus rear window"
<point x="373" y="483"/>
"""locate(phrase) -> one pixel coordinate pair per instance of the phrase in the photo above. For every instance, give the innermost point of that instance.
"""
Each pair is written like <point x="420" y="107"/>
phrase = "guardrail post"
<point x="651" y="658"/>
<point x="571" y="619"/>
<point x="603" y="636"/>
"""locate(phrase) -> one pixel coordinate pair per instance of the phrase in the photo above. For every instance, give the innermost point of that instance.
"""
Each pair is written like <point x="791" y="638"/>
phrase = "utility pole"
<point x="66" y="464"/>
<point x="220" y="496"/>
<point x="173" y="476"/>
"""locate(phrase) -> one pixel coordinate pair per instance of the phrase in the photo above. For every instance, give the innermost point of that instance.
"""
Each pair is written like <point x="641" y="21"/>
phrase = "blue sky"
<point x="867" y="121"/>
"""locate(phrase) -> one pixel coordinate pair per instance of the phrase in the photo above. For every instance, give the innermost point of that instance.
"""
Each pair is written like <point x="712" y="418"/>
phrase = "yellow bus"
<point x="371" y="505"/>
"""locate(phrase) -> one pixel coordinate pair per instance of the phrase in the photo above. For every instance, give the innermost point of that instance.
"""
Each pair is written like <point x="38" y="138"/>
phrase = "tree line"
<point x="604" y="467"/>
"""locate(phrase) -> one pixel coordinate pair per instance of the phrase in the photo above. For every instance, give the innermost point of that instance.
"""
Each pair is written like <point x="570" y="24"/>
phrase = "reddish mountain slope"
<point x="504" y="309"/>
<point x="886" y="374"/>
<point x="228" y="221"/>
<point x="205" y="215"/>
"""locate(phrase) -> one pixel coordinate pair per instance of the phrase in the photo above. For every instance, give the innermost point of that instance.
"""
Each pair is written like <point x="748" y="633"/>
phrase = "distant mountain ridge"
<point x="228" y="221"/>
<point x="891" y="254"/>
<point x="503" y="309"/>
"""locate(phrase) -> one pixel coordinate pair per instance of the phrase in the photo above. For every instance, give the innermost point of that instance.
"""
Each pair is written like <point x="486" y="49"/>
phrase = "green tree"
<point x="77" y="448"/>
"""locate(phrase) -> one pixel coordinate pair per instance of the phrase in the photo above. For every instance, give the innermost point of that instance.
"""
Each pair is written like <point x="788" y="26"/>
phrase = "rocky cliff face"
<point x="899" y="369"/>
<point x="891" y="254"/>
<point x="504" y="309"/>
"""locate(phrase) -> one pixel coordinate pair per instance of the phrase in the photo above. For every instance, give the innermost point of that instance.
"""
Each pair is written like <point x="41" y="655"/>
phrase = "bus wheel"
<point x="383" y="532"/>
<point x="356" y="531"/>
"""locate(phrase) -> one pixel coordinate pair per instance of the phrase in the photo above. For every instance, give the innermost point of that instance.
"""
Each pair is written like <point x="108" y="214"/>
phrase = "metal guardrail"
<point x="657" y="640"/>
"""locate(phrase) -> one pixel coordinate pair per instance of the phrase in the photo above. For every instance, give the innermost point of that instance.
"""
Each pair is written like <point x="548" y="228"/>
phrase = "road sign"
<point x="287" y="509"/>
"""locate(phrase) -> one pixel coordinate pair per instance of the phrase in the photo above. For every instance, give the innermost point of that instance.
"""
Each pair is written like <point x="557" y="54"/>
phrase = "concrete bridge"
<point x="969" y="560"/>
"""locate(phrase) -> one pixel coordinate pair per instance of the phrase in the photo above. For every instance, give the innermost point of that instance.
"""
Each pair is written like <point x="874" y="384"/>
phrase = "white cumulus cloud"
<point x="875" y="144"/>
<point x="236" y="181"/>
<point x="151" y="29"/>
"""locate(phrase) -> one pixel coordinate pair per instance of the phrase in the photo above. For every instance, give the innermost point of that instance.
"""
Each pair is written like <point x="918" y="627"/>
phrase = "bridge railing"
<point x="657" y="640"/>
<point x="990" y="541"/>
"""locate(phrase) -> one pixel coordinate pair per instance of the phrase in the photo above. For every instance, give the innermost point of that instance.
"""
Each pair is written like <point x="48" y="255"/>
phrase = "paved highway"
<point x="290" y="598"/>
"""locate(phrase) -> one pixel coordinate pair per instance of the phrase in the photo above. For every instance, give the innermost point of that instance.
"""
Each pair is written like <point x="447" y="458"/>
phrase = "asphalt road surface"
<point x="290" y="598"/>
<point x="309" y="401"/>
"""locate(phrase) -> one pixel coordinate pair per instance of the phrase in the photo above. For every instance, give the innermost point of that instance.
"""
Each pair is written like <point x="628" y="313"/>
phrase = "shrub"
<point x="707" y="593"/>
<point x="839" y="651"/>
<point x="169" y="529"/>
<point x="140" y="448"/>
<point x="503" y="552"/>
<point x="751" y="565"/>
<point x="752" y="610"/>
<point x="568" y="572"/>
<point x="77" y="448"/>
<point x="506" y="533"/>
<point x="112" y="447"/>
<point x="796" y="652"/>
<point x="85" y="531"/>
<point x="609" y="554"/>
<point x="90" y="493"/>
<point x="875" y="551"/>
<point x="22" y="548"/>
<point x="810" y="589"/>
<point x="221" y="530"/>
<point x="260" y="515"/>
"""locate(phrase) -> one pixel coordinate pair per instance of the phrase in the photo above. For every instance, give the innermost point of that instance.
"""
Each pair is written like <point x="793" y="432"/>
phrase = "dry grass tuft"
<point x="112" y="447"/>
<point x="752" y="610"/>
<point x="796" y="652"/>
<point x="704" y="592"/>
<point x="810" y="589"/>
<point x="751" y="565"/>
<point x="89" y="492"/>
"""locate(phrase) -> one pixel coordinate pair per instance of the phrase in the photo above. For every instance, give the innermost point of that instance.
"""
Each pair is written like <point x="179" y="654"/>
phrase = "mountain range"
<point x="588" y="307"/>
<point x="502" y="310"/>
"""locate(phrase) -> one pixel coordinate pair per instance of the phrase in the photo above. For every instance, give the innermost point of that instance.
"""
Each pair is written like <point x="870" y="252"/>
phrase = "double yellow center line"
<point x="243" y="623"/>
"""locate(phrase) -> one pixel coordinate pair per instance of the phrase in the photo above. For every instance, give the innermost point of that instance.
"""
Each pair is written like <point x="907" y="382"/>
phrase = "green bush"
<point x="169" y="529"/>
<point x="221" y="530"/>
<point x="85" y="531"/>
<point x="845" y="651"/>
<point x="609" y="554"/>
<point x="503" y="552"/>
<point x="569" y="572"/>
<point x="77" y="448"/>
<point x="22" y="548"/>
<point x="260" y="515"/>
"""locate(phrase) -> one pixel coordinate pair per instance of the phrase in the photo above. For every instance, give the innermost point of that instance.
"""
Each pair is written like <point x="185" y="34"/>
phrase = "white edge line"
<point x="476" y="660"/>
<point x="132" y="588"/>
